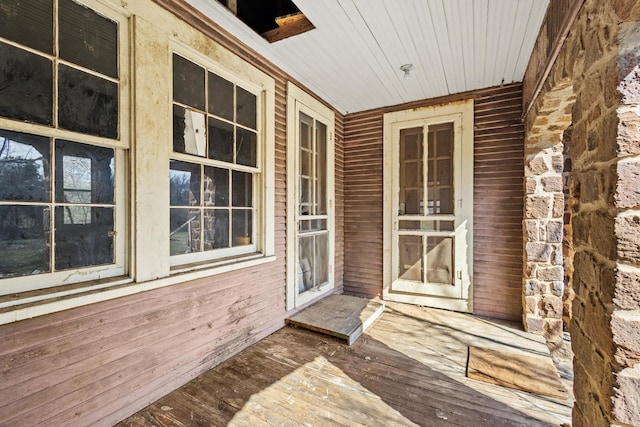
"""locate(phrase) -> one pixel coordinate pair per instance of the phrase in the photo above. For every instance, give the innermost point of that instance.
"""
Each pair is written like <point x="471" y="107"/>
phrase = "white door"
<point x="429" y="207"/>
<point x="310" y="230"/>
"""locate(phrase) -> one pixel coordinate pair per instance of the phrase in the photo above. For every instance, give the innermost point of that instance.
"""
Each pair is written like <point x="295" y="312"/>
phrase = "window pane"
<point x="306" y="126"/>
<point x="216" y="187"/>
<point x="184" y="184"/>
<point x="220" y="140"/>
<point x="189" y="131"/>
<point x="24" y="167"/>
<point x="188" y="83"/>
<point x="242" y="226"/>
<point x="440" y="260"/>
<point x="242" y="189"/>
<point x="216" y="229"/>
<point x="26" y="86"/>
<point x="410" y="263"/>
<point x="87" y="103"/>
<point x="84" y="173"/>
<point x="87" y="39"/>
<point x="184" y="231"/>
<point x="321" y="260"/>
<point x="86" y="242"/>
<point x="24" y="240"/>
<point x="220" y="97"/>
<point x="245" y="108"/>
<point x="305" y="264"/>
<point x="246" y="144"/>
<point x="29" y="23"/>
<point x="321" y="168"/>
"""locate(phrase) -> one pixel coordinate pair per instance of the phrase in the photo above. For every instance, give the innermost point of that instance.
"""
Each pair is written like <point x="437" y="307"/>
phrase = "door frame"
<point x="300" y="101"/>
<point x="463" y="200"/>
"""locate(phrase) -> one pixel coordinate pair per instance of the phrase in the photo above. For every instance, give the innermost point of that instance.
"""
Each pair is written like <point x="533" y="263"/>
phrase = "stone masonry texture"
<point x="594" y="88"/>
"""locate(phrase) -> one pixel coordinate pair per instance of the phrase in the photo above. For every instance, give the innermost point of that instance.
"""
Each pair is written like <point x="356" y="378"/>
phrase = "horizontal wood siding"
<point x="498" y="196"/>
<point x="498" y="203"/>
<point x="98" y="364"/>
<point x="555" y="26"/>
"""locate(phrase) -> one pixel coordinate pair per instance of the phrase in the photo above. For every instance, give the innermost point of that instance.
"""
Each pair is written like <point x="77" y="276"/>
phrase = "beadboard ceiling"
<point x="352" y="58"/>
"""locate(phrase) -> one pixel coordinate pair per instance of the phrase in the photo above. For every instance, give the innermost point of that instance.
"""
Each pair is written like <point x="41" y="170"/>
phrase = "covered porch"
<point x="407" y="369"/>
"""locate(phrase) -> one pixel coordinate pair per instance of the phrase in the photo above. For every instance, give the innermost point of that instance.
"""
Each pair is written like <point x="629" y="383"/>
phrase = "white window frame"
<point x="300" y="101"/>
<point x="262" y="245"/>
<point x="121" y="146"/>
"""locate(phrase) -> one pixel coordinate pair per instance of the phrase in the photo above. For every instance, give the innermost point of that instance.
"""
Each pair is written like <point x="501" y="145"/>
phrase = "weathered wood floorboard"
<point x="408" y="369"/>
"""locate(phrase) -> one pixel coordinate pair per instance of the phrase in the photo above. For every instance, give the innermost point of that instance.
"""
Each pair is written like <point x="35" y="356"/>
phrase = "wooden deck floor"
<point x="407" y="369"/>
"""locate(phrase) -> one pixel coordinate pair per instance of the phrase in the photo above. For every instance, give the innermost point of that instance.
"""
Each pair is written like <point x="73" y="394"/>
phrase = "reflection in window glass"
<point x="216" y="186"/>
<point x="216" y="229"/>
<point x="24" y="167"/>
<point x="26" y="86"/>
<point x="246" y="144"/>
<point x="87" y="103"/>
<point x="242" y="227"/>
<point x="24" y="240"/>
<point x="242" y="189"/>
<point x="184" y="231"/>
<point x="184" y="182"/>
<point x="86" y="242"/>
<point x="84" y="173"/>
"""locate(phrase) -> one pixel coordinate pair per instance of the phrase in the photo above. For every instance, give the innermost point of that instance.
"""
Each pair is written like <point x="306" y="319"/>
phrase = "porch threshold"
<point x="342" y="316"/>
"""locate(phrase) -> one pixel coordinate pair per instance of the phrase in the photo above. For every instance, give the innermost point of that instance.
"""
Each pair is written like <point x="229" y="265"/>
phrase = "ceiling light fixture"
<point x="407" y="70"/>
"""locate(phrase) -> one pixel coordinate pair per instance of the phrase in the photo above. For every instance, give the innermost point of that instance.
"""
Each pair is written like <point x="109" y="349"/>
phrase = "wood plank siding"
<point x="557" y="22"/>
<point x="498" y="186"/>
<point x="99" y="363"/>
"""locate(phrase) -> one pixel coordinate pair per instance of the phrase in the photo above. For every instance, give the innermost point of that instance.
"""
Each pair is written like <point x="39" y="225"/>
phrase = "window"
<point x="62" y="146"/>
<point x="216" y="177"/>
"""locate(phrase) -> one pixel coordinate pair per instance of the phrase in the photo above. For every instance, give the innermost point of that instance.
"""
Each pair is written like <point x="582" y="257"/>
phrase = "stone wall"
<point x="601" y="62"/>
<point x="544" y="211"/>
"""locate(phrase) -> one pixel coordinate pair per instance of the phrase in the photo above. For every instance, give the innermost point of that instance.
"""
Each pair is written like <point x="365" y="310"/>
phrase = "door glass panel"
<point x="411" y="176"/>
<point x="410" y="258"/>
<point x="440" y="169"/>
<point x="440" y="260"/>
<point x="321" y="169"/>
<point x="321" y="273"/>
<point x="313" y="235"/>
<point x="305" y="264"/>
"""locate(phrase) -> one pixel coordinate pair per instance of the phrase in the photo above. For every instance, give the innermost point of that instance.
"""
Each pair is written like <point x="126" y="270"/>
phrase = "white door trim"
<point x="461" y="113"/>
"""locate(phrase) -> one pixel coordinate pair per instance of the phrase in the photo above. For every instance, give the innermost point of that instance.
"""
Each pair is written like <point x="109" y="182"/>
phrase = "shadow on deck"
<point x="407" y="369"/>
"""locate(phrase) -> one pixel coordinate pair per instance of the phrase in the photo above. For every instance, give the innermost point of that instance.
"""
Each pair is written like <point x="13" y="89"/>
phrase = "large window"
<point x="62" y="146"/>
<point x="215" y="169"/>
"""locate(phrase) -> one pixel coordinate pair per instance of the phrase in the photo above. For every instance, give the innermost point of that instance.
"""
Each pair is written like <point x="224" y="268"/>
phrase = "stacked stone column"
<point x="544" y="212"/>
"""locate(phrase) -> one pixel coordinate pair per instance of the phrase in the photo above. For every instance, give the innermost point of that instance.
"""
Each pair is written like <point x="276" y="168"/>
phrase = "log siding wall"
<point x="498" y="189"/>
<point x="97" y="364"/>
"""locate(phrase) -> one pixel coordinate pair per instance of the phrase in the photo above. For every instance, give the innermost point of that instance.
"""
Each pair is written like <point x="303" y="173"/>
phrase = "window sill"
<point x="21" y="306"/>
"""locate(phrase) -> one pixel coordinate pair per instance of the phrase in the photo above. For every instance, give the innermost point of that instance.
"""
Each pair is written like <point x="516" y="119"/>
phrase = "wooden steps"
<point x="342" y="316"/>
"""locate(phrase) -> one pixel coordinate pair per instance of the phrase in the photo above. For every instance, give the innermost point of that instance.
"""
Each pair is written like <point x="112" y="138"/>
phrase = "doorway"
<point x="428" y="187"/>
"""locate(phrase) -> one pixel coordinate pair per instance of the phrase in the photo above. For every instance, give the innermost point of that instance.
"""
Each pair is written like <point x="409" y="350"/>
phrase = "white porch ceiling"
<point x="352" y="59"/>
